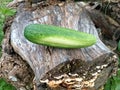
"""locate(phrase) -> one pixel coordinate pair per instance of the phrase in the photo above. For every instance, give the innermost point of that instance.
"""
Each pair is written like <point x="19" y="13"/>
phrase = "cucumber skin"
<point x="53" y="35"/>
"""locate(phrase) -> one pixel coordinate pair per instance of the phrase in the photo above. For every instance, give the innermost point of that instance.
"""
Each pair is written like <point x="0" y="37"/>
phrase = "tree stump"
<point x="55" y="68"/>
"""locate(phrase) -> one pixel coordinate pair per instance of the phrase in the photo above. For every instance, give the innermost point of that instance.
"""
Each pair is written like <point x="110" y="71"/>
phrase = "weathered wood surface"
<point x="110" y="29"/>
<point x="12" y="67"/>
<point x="69" y="68"/>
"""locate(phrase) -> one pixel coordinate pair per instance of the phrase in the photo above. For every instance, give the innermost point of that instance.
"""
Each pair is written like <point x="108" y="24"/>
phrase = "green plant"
<point x="4" y="13"/>
<point x="119" y="46"/>
<point x="5" y="86"/>
<point x="113" y="83"/>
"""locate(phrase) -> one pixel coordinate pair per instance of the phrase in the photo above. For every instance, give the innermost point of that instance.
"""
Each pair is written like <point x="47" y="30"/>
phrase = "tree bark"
<point x="56" y="68"/>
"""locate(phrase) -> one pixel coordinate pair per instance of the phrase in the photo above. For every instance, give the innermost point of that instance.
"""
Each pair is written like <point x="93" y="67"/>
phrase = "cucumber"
<point x="58" y="36"/>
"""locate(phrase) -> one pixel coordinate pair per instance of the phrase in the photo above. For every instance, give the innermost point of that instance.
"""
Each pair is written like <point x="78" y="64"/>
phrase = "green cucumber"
<point x="58" y="36"/>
